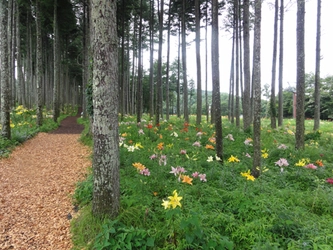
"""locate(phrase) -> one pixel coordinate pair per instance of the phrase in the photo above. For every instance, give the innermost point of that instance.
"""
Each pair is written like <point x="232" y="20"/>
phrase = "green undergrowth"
<point x="222" y="206"/>
<point x="23" y="126"/>
<point x="86" y="136"/>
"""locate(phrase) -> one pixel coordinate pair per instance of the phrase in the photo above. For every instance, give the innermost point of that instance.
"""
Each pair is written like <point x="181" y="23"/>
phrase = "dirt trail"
<point x="36" y="183"/>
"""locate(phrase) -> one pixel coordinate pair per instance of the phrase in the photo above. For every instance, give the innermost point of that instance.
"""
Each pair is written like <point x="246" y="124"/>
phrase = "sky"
<point x="289" y="76"/>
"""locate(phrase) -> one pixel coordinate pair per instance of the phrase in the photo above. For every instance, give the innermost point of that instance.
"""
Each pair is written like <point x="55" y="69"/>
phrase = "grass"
<point x="23" y="126"/>
<point x="221" y="206"/>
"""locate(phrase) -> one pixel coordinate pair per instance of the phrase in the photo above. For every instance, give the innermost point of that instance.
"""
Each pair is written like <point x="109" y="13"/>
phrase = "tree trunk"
<point x="300" y="81"/>
<point x="167" y="85"/>
<point x="151" y="70"/>
<point x="20" y="92"/>
<point x="4" y="72"/>
<point x="232" y="82"/>
<point x="317" y="75"/>
<point x="106" y="161"/>
<point x="185" y="91"/>
<point x="216" y="80"/>
<point x="122" y="72"/>
<point x="178" y="76"/>
<point x="139" y="86"/>
<point x="159" y="107"/>
<point x="280" y="118"/>
<point x="237" y="111"/>
<point x="10" y="55"/>
<point x="39" y="65"/>
<point x="272" y="101"/>
<point x="86" y="61"/>
<point x="56" y="51"/>
<point x="257" y="90"/>
<point x="247" y="74"/>
<point x="198" y="59"/>
<point x="206" y="63"/>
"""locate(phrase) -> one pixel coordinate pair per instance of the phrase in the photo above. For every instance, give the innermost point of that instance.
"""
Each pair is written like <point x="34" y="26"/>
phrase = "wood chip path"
<point x="36" y="183"/>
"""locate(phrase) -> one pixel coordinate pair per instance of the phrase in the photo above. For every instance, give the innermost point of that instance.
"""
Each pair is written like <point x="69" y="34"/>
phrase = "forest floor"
<point x="36" y="184"/>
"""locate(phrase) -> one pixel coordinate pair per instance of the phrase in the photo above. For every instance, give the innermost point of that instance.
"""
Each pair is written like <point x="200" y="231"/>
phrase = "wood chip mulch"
<point x="36" y="184"/>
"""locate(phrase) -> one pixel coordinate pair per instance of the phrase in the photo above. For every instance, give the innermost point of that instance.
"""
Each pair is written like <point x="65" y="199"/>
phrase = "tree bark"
<point x="232" y="83"/>
<point x="300" y="81"/>
<point x="56" y="83"/>
<point x="178" y="75"/>
<point x="106" y="161"/>
<point x="206" y="63"/>
<point x="4" y="72"/>
<point x="185" y="91"/>
<point x="139" y="86"/>
<point x="317" y="74"/>
<point x="198" y="59"/>
<point x="247" y="75"/>
<point x="280" y="117"/>
<point x="10" y="55"/>
<point x="272" y="101"/>
<point x="39" y="66"/>
<point x="216" y="80"/>
<point x="159" y="107"/>
<point x="151" y="70"/>
<point x="237" y="106"/>
<point x="257" y="90"/>
<point x="20" y="92"/>
<point x="167" y="85"/>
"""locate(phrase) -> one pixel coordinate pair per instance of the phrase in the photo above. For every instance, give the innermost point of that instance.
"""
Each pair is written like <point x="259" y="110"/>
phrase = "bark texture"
<point x="185" y="90"/>
<point x="216" y="80"/>
<point x="105" y="101"/>
<point x="300" y="81"/>
<point x="280" y="117"/>
<point x="317" y="75"/>
<point x="272" y="102"/>
<point x="159" y="108"/>
<point x="247" y="75"/>
<point x="39" y="66"/>
<point x="5" y="91"/>
<point x="56" y="83"/>
<point x="257" y="90"/>
<point x="198" y="59"/>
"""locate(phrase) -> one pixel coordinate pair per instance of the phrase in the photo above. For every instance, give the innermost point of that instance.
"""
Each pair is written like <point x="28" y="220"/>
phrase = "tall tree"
<point x="10" y="51"/>
<point x="56" y="67"/>
<point x="4" y="71"/>
<point x="139" y="86"/>
<point x="272" y="99"/>
<point x="300" y="76"/>
<point x="216" y="80"/>
<point x="20" y="89"/>
<point x="198" y="59"/>
<point x="280" y="116"/>
<point x="257" y="90"/>
<point x="151" y="70"/>
<point x="247" y="75"/>
<point x="317" y="75"/>
<point x="178" y="78"/>
<point x="122" y="93"/>
<point x="159" y="65"/>
<point x="236" y="32"/>
<point x="167" y="85"/>
<point x="86" y="55"/>
<point x="106" y="161"/>
<point x="184" y="64"/>
<point x="231" y="106"/>
<point x="206" y="62"/>
<point x="39" y="65"/>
